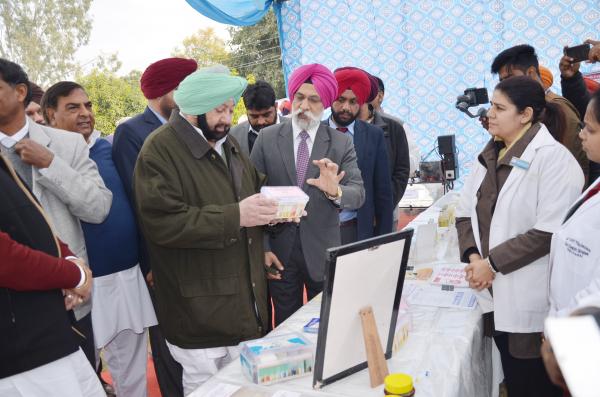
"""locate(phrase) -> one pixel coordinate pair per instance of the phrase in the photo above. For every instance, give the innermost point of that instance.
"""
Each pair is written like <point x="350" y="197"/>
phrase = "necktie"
<point x="302" y="158"/>
<point x="342" y="129"/>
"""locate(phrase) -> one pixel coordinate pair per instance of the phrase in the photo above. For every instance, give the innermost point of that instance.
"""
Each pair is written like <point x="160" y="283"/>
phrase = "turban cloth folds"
<point x="355" y="80"/>
<point x="164" y="76"/>
<point x="204" y="90"/>
<point x="321" y="77"/>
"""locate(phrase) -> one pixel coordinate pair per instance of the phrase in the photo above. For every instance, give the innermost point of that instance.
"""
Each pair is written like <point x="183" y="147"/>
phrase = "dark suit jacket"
<point x="240" y="133"/>
<point x="375" y="217"/>
<point x="397" y="147"/>
<point x="273" y="155"/>
<point x="127" y="143"/>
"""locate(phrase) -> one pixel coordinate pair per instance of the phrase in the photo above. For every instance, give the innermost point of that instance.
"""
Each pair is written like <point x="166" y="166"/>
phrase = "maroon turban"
<point x="355" y="80"/>
<point x="36" y="93"/>
<point x="374" y="89"/>
<point x="164" y="76"/>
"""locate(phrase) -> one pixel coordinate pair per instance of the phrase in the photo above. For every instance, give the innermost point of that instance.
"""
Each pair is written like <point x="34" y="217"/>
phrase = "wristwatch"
<point x="337" y="198"/>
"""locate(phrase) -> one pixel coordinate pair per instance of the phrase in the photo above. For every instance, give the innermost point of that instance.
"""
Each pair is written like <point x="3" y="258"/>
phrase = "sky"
<point x="141" y="31"/>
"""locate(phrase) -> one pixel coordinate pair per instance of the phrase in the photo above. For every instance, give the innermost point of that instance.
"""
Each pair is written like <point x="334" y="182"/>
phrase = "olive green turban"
<point x="205" y="89"/>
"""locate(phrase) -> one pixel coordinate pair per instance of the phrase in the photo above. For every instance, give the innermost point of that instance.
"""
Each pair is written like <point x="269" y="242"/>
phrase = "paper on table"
<point x="576" y="345"/>
<point x="218" y="390"/>
<point x="485" y="300"/>
<point x="283" y="393"/>
<point x="450" y="275"/>
<point x="434" y="296"/>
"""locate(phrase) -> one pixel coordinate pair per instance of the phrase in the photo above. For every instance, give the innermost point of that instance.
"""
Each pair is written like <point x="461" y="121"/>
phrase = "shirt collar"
<point x="158" y="115"/>
<point x="312" y="132"/>
<point x="95" y="135"/>
<point x="350" y="126"/>
<point x="218" y="144"/>
<point x="15" y="138"/>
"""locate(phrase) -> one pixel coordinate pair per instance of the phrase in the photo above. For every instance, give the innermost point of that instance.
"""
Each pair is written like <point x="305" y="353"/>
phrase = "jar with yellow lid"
<point x="400" y="385"/>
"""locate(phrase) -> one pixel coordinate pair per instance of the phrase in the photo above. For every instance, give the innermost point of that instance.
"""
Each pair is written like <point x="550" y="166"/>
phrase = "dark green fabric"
<point x="206" y="268"/>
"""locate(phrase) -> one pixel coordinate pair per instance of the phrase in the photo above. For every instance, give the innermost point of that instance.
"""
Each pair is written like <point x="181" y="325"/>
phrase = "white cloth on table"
<point x="201" y="364"/>
<point x="70" y="376"/>
<point x="121" y="302"/>
<point x="127" y="357"/>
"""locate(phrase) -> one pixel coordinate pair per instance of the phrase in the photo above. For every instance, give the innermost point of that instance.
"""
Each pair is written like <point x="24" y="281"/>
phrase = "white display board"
<point x="366" y="273"/>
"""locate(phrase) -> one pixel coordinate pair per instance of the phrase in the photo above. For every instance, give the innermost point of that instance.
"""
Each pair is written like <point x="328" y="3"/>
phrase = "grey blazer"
<point x="273" y="155"/>
<point x="240" y="133"/>
<point x="70" y="189"/>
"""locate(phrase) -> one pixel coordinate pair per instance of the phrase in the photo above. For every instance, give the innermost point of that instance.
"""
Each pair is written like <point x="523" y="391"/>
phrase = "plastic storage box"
<point x="291" y="200"/>
<point x="274" y="359"/>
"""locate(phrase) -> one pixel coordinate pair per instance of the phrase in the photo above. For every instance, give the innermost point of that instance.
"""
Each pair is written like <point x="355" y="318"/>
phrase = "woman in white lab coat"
<point x="519" y="190"/>
<point x="575" y="254"/>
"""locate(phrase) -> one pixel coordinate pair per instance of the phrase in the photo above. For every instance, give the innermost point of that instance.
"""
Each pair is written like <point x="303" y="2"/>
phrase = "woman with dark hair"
<point x="575" y="254"/>
<point x="516" y="196"/>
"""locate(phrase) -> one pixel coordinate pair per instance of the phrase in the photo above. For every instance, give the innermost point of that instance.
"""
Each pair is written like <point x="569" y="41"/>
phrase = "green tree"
<point x="113" y="97"/>
<point x="43" y="35"/>
<point x="205" y="47"/>
<point x="255" y="50"/>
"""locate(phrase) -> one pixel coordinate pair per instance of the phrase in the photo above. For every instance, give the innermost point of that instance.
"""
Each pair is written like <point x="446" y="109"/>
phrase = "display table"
<point x="445" y="353"/>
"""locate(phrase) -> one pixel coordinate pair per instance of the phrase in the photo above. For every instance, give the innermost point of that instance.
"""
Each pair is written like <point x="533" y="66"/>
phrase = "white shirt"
<point x="93" y="138"/>
<point x="10" y="141"/>
<point x="312" y="133"/>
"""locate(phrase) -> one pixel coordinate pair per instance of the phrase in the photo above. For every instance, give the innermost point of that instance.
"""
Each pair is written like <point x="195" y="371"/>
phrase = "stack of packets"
<point x="273" y="359"/>
<point x="291" y="200"/>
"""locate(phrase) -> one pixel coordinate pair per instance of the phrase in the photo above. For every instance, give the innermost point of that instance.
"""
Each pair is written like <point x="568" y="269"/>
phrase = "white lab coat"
<point x="575" y="259"/>
<point x="533" y="198"/>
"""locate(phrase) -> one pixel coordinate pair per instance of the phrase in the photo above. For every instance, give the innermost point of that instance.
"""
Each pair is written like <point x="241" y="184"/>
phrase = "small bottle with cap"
<point x="400" y="385"/>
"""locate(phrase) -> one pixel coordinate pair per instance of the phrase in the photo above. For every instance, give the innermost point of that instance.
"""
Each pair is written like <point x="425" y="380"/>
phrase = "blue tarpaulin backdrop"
<point x="427" y="52"/>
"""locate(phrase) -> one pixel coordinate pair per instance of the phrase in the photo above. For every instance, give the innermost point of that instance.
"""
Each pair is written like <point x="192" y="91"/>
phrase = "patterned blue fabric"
<point x="233" y="12"/>
<point x="428" y="51"/>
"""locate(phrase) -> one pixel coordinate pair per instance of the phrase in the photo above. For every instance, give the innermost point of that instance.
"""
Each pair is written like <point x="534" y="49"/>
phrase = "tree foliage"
<point x="43" y="35"/>
<point x="255" y="50"/>
<point x="112" y="97"/>
<point x="205" y="47"/>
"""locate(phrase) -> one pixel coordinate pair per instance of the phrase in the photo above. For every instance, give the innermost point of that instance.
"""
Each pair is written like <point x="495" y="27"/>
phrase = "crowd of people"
<point x="159" y="232"/>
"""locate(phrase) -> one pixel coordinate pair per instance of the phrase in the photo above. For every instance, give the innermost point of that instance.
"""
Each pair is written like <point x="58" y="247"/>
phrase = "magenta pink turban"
<point x="321" y="77"/>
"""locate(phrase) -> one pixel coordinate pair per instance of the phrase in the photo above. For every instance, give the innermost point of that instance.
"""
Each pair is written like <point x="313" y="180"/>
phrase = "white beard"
<point x="312" y="122"/>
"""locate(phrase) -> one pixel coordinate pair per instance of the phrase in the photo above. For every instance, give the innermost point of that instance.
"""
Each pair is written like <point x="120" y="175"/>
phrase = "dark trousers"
<point x="524" y="377"/>
<point x="168" y="371"/>
<point x="349" y="231"/>
<point x="287" y="293"/>
<point x="86" y="342"/>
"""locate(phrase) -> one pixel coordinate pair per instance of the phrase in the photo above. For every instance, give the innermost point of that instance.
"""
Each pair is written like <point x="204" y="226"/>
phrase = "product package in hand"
<point x="291" y="200"/>
<point x="273" y="359"/>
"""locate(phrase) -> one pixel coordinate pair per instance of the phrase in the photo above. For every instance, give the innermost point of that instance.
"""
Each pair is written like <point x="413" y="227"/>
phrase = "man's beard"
<point x="259" y="127"/>
<point x="312" y="122"/>
<point x="343" y="123"/>
<point x="211" y="134"/>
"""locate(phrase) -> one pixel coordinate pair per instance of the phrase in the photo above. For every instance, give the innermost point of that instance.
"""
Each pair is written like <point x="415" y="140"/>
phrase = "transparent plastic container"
<point x="274" y="359"/>
<point x="291" y="200"/>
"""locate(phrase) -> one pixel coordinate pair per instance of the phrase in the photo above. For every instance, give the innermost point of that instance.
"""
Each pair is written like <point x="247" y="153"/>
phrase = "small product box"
<point x="274" y="359"/>
<point x="291" y="199"/>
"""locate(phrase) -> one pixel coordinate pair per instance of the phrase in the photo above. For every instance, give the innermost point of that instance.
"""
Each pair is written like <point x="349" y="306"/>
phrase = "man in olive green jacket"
<point x="197" y="201"/>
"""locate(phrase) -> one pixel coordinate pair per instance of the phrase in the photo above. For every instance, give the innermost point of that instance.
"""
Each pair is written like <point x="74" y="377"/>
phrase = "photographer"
<point x="575" y="90"/>
<point x="521" y="60"/>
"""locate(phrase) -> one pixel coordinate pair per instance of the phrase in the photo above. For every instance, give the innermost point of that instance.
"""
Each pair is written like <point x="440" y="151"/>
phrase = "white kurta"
<point x="575" y="259"/>
<point x="534" y="197"/>
<point x="121" y="301"/>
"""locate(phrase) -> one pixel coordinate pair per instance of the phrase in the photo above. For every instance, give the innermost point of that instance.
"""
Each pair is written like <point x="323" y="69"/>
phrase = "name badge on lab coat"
<point x="517" y="162"/>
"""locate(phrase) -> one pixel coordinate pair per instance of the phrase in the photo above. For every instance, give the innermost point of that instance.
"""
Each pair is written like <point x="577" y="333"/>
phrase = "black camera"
<point x="472" y="97"/>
